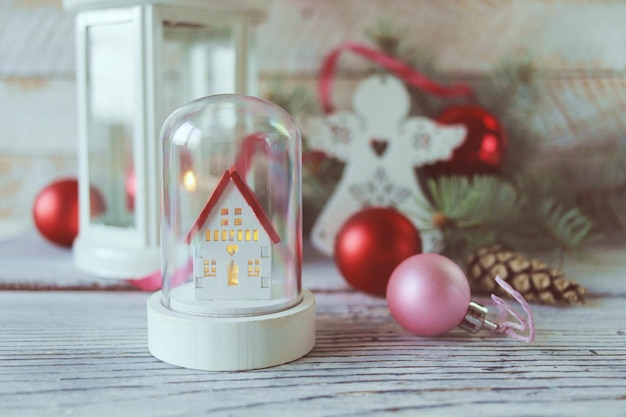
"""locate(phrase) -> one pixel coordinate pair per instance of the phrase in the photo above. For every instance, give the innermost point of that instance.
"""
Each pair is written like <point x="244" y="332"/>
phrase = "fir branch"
<point x="601" y="190"/>
<point x="568" y="227"/>
<point x="385" y="34"/>
<point x="512" y="85"/>
<point x="468" y="210"/>
<point x="483" y="210"/>
<point x="296" y="100"/>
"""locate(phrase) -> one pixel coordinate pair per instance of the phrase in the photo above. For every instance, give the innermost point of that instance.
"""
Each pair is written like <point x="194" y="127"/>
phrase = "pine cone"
<point x="535" y="280"/>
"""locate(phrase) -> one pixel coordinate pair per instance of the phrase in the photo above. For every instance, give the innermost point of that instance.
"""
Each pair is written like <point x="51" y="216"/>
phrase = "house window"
<point x="210" y="268"/>
<point x="265" y="282"/>
<point x="255" y="235"/>
<point x="265" y="251"/>
<point x="208" y="235"/>
<point x="254" y="267"/>
<point x="233" y="274"/>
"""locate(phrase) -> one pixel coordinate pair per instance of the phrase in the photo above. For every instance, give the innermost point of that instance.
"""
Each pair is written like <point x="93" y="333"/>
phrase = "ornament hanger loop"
<point x="475" y="318"/>
<point x="393" y="65"/>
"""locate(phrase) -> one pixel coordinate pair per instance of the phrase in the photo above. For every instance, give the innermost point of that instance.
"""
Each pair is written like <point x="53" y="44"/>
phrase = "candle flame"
<point x="189" y="181"/>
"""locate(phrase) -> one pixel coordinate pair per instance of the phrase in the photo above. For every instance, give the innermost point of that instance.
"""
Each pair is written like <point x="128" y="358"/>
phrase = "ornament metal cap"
<point x="476" y="318"/>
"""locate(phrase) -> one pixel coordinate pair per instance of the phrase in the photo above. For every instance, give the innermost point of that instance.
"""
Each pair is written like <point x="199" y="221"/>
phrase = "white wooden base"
<point x="115" y="263"/>
<point x="231" y="343"/>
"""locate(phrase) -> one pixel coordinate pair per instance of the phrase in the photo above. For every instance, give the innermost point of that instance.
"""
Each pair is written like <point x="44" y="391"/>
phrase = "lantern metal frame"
<point x="133" y="252"/>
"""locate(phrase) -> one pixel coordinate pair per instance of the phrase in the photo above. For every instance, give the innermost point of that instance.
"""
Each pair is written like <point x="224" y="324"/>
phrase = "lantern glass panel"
<point x="111" y="118"/>
<point x="198" y="60"/>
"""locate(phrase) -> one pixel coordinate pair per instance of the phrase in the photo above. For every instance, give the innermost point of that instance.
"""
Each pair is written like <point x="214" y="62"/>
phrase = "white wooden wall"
<point x="578" y="46"/>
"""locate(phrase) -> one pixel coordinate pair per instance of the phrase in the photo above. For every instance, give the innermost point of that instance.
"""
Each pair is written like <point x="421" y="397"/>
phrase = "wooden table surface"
<point x="84" y="353"/>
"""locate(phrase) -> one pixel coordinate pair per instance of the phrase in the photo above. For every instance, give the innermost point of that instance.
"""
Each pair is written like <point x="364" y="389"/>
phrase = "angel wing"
<point x="334" y="134"/>
<point x="429" y="141"/>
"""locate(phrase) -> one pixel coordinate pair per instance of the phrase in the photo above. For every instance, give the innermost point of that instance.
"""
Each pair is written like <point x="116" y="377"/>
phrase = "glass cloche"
<point x="231" y="236"/>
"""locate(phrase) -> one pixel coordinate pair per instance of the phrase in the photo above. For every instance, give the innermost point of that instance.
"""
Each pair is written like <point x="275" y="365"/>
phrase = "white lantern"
<point x="137" y="61"/>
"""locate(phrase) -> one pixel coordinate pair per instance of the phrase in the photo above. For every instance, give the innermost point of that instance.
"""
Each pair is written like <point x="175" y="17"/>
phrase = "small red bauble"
<point x="482" y="151"/>
<point x="55" y="211"/>
<point x="371" y="244"/>
<point x="130" y="186"/>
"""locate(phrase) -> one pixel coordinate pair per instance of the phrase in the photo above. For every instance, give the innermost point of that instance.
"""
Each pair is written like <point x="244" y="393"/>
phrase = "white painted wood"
<point x="254" y="7"/>
<point x="466" y="37"/>
<point x="213" y="343"/>
<point x="38" y="117"/>
<point x="28" y="261"/>
<point x="85" y="353"/>
<point x="382" y="177"/>
<point x="36" y="41"/>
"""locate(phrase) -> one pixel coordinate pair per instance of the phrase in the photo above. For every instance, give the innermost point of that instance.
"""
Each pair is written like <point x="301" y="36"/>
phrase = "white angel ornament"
<point x="380" y="146"/>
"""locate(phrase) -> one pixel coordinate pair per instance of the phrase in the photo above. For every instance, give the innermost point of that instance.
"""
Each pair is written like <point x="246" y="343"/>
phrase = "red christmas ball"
<point x="130" y="186"/>
<point x="55" y="211"/>
<point x="482" y="151"/>
<point x="371" y="244"/>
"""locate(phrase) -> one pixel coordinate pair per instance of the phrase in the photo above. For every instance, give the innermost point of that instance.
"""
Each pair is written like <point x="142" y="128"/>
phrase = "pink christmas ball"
<point x="428" y="294"/>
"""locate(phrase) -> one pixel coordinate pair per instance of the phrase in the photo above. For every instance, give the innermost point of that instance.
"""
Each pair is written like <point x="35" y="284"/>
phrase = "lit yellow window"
<point x="254" y="268"/>
<point x="224" y="221"/>
<point x="240" y="235"/>
<point x="233" y="274"/>
<point x="216" y="235"/>
<point x="208" y="235"/>
<point x="231" y="234"/>
<point x="247" y="235"/>
<point x="224" y="234"/>
<point x="238" y="221"/>
<point x="255" y="235"/>
<point x="238" y="211"/>
<point x="210" y="271"/>
<point x="224" y="212"/>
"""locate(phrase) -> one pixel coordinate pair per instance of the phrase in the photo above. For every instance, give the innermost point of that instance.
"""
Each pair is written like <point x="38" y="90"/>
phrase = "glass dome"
<point x="230" y="208"/>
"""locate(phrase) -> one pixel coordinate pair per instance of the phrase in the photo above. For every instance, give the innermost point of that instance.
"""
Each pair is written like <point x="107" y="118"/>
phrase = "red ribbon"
<point x="393" y="65"/>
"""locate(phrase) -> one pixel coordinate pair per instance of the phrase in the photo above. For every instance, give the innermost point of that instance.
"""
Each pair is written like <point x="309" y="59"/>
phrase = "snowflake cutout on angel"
<point x="380" y="146"/>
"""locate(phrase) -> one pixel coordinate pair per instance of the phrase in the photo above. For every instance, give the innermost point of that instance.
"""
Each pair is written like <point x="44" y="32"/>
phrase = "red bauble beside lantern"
<point x="130" y="185"/>
<point x="371" y="244"/>
<point x="56" y="211"/>
<point x="483" y="150"/>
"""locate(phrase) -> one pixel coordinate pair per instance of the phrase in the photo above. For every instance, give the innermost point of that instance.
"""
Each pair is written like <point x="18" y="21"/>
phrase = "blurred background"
<point x="573" y="50"/>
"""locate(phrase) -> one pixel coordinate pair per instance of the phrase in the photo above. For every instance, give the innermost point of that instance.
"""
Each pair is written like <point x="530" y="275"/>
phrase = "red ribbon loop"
<point x="393" y="65"/>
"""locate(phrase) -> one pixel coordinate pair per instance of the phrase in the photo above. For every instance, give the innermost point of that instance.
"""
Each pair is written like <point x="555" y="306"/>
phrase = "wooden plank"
<point x="39" y="117"/>
<point x="86" y="354"/>
<point x="37" y="40"/>
<point x="21" y="179"/>
<point x="468" y="36"/>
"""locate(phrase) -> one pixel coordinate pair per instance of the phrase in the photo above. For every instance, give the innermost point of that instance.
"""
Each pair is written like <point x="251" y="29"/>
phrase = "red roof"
<point x="233" y="175"/>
